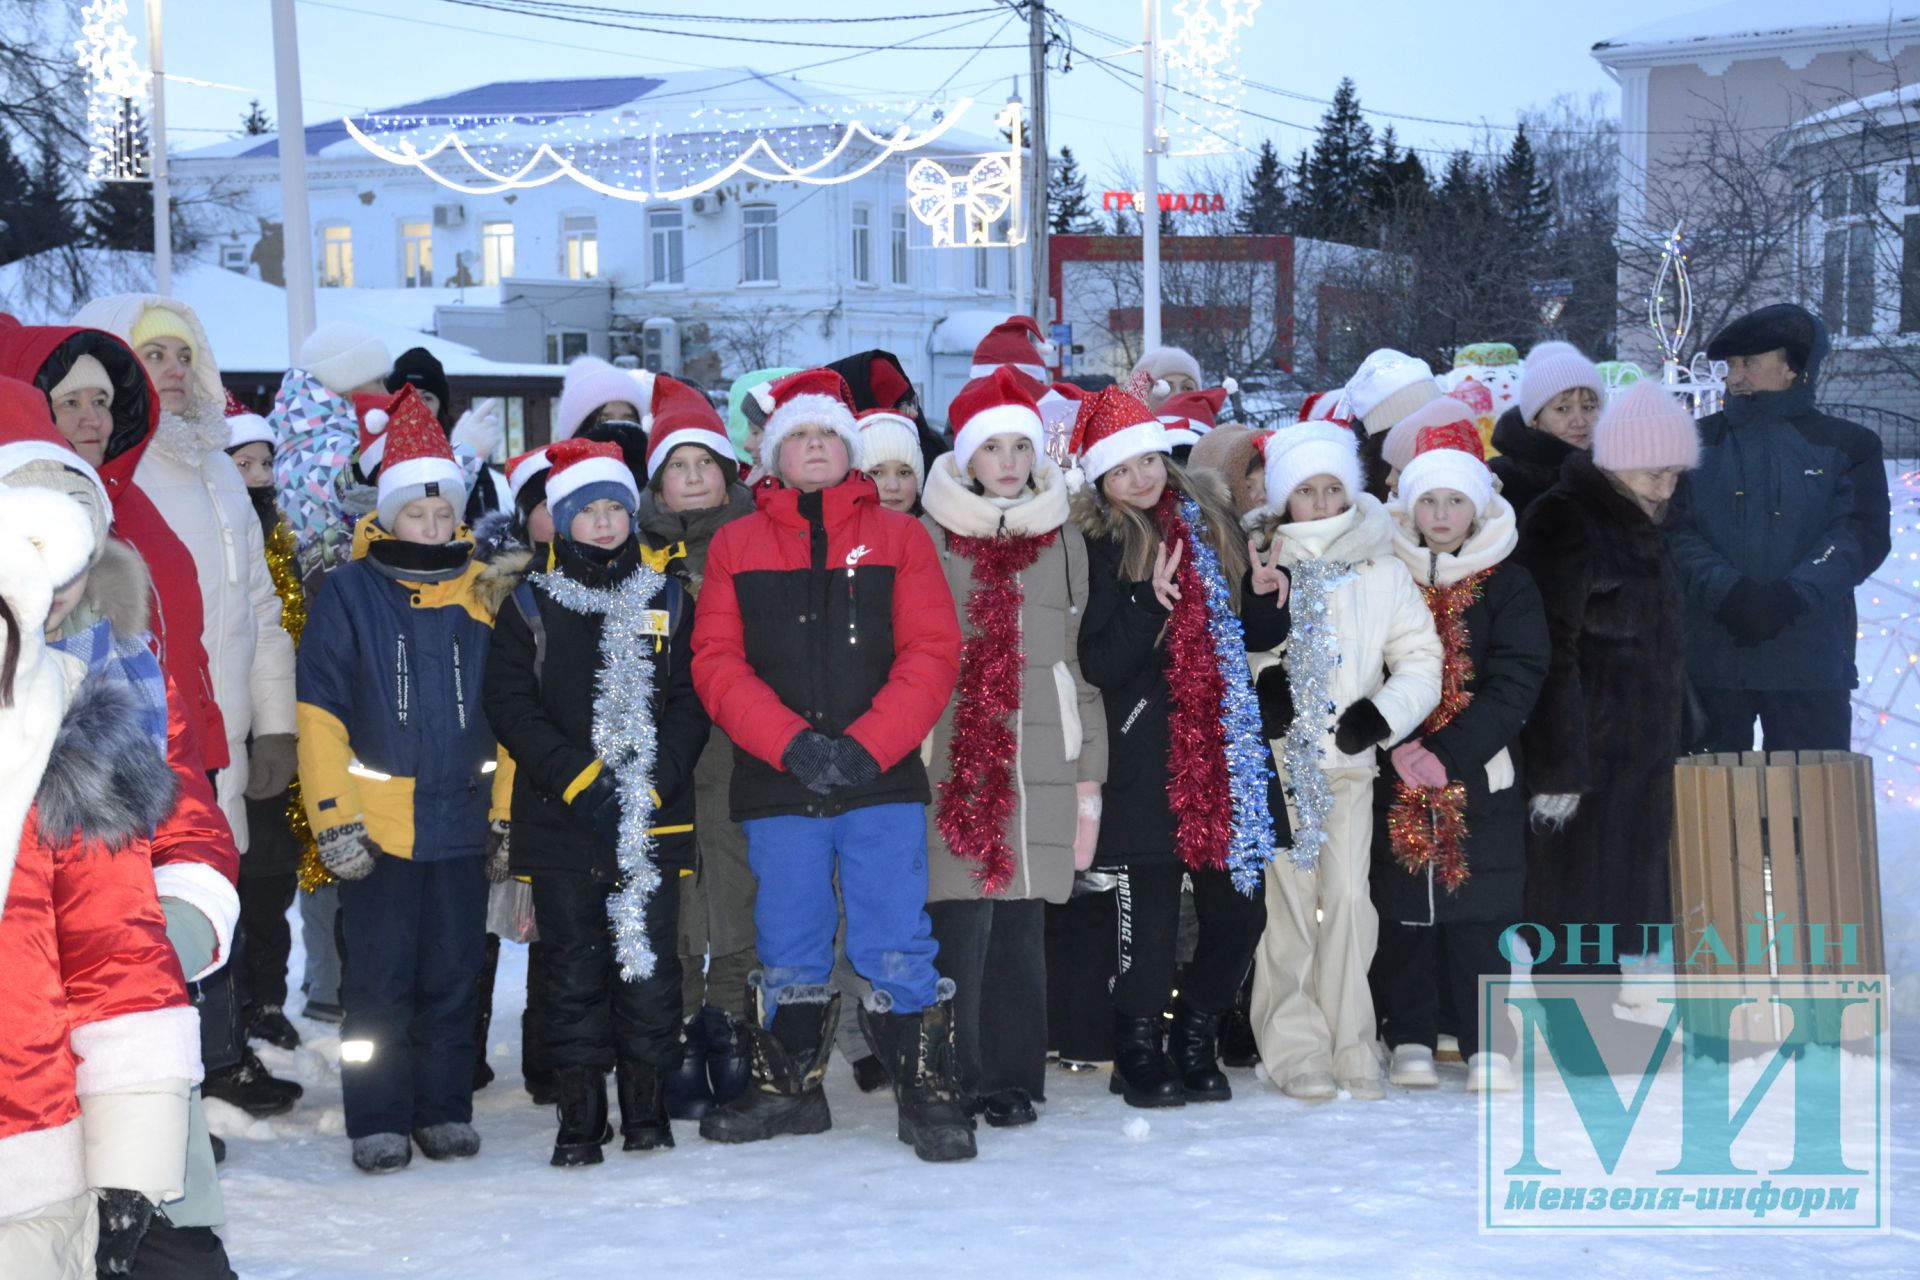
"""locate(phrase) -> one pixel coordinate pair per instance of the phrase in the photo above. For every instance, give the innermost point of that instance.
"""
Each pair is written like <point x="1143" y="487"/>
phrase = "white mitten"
<point x="481" y="428"/>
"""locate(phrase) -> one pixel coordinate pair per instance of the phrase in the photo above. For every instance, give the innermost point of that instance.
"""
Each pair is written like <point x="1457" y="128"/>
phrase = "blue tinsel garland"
<point x="1249" y="759"/>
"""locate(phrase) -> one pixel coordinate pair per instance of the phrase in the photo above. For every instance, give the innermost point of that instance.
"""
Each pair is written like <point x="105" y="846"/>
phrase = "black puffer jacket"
<point x="545" y="721"/>
<point x="1529" y="462"/>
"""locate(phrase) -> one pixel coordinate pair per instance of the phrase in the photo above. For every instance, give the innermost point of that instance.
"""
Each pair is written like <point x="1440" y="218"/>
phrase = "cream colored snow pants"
<point x="1312" y="1010"/>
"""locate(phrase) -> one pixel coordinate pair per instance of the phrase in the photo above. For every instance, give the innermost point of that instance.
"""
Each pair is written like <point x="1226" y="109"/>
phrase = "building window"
<point x="982" y="260"/>
<point x="1913" y="185"/>
<point x="667" y="228"/>
<point x="336" y="259"/>
<point x="234" y="257"/>
<point x="416" y="255"/>
<point x="565" y="344"/>
<point x="899" y="246"/>
<point x="1910" y="274"/>
<point x="581" y="237"/>
<point x="759" y="244"/>
<point x="496" y="251"/>
<point x="1846" y="295"/>
<point x="862" y="244"/>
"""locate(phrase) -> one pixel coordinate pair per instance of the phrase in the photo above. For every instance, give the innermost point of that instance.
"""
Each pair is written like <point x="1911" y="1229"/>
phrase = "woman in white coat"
<point x="1364" y="680"/>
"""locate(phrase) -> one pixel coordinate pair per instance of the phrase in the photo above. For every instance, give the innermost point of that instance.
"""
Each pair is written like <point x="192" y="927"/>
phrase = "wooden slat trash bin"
<point x="1770" y="843"/>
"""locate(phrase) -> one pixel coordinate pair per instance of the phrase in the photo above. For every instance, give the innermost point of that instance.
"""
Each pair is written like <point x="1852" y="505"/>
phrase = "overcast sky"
<point x="1458" y="62"/>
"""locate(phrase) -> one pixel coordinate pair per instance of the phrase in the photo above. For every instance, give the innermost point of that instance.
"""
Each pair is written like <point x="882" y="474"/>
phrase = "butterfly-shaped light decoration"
<point x="979" y="196"/>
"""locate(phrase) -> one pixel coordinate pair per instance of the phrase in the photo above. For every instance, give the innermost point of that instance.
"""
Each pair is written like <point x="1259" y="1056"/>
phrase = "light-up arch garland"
<point x="610" y="148"/>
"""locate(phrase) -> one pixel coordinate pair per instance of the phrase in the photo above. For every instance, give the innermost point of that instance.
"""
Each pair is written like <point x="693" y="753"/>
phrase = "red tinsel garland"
<point x="976" y="801"/>
<point x="1428" y="825"/>
<point x="1198" y="789"/>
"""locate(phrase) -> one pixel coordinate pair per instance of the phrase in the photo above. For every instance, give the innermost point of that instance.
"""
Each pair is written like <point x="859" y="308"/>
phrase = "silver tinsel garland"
<point x="1313" y="651"/>
<point x="1249" y="760"/>
<point x="627" y="741"/>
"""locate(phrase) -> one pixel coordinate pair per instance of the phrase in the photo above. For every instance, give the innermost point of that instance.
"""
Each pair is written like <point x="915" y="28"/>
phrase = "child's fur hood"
<point x="503" y="573"/>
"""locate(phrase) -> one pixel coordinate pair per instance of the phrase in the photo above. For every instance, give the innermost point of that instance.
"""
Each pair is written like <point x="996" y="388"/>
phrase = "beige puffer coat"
<point x="1062" y="725"/>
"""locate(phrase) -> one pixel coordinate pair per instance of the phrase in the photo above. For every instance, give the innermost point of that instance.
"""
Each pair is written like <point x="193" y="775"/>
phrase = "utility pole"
<point x="157" y="162"/>
<point x="1037" y="227"/>
<point x="295" y="222"/>
<point x="1149" y="181"/>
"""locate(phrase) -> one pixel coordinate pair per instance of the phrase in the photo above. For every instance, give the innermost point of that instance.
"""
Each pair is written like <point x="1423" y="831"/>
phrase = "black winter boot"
<point x="919" y="1050"/>
<point x="729" y="1064"/>
<point x="789" y="1061"/>
<point x="582" y="1106"/>
<point x="642" y="1087"/>
<point x="1192" y="1042"/>
<point x="1141" y="1068"/>
<point x="688" y="1095"/>
<point x="1238" y="1048"/>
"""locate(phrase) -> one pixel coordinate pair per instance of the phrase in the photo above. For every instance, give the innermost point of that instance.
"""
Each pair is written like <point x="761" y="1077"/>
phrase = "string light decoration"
<point x="658" y="154"/>
<point x="118" y="148"/>
<point x="1886" y="707"/>
<point x="962" y="209"/>
<point x="1702" y="382"/>
<point x="1203" y="60"/>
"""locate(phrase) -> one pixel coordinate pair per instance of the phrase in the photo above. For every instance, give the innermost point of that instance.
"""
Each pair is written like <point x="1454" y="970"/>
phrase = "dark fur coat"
<point x="1608" y="722"/>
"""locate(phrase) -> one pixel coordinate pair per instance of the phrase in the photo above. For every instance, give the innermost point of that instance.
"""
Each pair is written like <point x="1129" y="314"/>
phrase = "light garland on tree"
<point x="116" y="84"/>
<point x="670" y="157"/>
<point x="1203" y="58"/>
<point x="1886" y="707"/>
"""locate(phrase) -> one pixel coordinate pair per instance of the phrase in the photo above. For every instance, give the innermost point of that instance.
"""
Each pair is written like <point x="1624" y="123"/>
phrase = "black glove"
<point x="124" y="1219"/>
<point x="1360" y="726"/>
<point x="855" y="766"/>
<point x="1787" y="604"/>
<point x="1751" y="613"/>
<point x="811" y="758"/>
<point x="1274" y="692"/>
<point x="499" y="851"/>
<point x="599" y="807"/>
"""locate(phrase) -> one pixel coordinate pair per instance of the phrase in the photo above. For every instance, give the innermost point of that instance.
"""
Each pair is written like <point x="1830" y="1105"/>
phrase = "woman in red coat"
<point x="98" y="1044"/>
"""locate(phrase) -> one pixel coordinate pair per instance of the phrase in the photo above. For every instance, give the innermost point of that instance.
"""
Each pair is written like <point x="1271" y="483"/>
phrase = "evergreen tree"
<point x="120" y="216"/>
<point x="48" y="211"/>
<point x="1263" y="201"/>
<point x="256" y="121"/>
<point x="1525" y="199"/>
<point x="1336" y="183"/>
<point x="15" y="183"/>
<point x="1068" y="211"/>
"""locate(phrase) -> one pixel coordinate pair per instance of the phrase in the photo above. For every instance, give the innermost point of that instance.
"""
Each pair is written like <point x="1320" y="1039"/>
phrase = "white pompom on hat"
<point x="1298" y="453"/>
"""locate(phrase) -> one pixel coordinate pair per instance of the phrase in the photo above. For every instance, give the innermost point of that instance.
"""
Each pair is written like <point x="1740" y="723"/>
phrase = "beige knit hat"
<point x="87" y="374"/>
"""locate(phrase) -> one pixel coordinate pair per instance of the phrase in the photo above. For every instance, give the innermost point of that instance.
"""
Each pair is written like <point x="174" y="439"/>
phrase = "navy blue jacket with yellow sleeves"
<point x="389" y="675"/>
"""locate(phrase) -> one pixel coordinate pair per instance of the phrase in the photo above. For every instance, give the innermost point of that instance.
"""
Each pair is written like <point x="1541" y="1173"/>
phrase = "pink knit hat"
<point x="1553" y="367"/>
<point x="1644" y="429"/>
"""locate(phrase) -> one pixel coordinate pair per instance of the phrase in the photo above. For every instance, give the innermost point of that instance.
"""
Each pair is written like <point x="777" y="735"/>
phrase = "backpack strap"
<point x="529" y="607"/>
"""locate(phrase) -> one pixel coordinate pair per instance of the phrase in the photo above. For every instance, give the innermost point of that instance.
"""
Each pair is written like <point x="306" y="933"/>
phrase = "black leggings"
<point x="1148" y="901"/>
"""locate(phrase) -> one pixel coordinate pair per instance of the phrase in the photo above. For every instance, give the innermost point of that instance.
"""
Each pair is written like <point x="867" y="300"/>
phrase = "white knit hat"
<point x="1388" y="386"/>
<point x="589" y="383"/>
<point x="1553" y="367"/>
<point x="886" y="435"/>
<point x="1307" y="449"/>
<point x="1448" y="457"/>
<point x="344" y="356"/>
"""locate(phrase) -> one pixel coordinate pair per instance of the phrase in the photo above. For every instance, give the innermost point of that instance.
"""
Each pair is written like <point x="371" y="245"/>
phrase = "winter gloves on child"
<point x="822" y="764"/>
<point x="271" y="763"/>
<point x="1755" y="612"/>
<point x="497" y="851"/>
<point x="346" y="851"/>
<point x="124" y="1218"/>
<point x="1360" y="726"/>
<point x="598" y="805"/>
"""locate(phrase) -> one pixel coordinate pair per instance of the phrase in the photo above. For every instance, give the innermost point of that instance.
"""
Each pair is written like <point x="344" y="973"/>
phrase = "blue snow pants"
<point x="881" y="854"/>
<point x="416" y="935"/>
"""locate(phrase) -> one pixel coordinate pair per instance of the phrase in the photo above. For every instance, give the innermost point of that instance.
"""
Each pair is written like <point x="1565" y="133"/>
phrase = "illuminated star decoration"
<point x="1202" y="59"/>
<point x="115" y="85"/>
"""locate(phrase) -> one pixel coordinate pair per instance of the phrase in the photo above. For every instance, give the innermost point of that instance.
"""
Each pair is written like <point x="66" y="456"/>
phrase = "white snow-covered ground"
<point x="1259" y="1186"/>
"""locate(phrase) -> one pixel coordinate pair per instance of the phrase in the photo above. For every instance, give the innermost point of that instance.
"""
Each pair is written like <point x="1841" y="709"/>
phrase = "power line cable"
<point x="505" y="6"/>
<point x="563" y="8"/>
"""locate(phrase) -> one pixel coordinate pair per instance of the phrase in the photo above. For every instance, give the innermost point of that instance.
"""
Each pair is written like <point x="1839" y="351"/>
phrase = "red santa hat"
<point x="1403" y="437"/>
<point x="246" y="427"/>
<point x="995" y="404"/>
<point x="523" y="467"/>
<point x="680" y="415"/>
<point x="415" y="459"/>
<point x="1326" y="406"/>
<point x="1113" y="427"/>
<point x="582" y="472"/>
<point x="1015" y="342"/>
<point x="1191" y="414"/>
<point x="1448" y="456"/>
<point x="816" y="397"/>
<point x="375" y="413"/>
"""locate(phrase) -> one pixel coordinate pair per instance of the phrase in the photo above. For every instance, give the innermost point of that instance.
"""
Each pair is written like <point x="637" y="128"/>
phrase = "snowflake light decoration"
<point x="116" y="84"/>
<point x="1203" y="58"/>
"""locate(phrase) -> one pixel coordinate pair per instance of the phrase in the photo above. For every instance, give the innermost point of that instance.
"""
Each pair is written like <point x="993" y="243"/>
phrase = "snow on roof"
<point x="1759" y="19"/>
<point x="1892" y="100"/>
<point x="245" y="318"/>
<point x="960" y="331"/>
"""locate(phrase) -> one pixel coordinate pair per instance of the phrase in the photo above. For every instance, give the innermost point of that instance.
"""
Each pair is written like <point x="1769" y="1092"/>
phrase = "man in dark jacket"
<point x="826" y="646"/>
<point x="1786" y="515"/>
